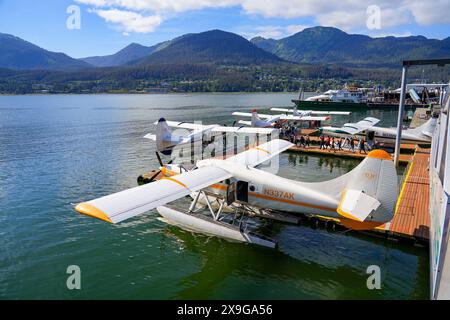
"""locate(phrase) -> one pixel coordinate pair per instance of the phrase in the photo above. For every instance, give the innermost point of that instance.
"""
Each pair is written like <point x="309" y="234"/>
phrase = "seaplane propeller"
<point x="161" y="164"/>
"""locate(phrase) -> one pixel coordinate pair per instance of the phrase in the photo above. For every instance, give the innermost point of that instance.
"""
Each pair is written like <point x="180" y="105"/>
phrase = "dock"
<point x="421" y="115"/>
<point x="315" y="150"/>
<point x="411" y="217"/>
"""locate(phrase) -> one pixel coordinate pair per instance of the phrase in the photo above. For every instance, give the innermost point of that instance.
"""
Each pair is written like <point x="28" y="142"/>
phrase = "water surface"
<point x="61" y="149"/>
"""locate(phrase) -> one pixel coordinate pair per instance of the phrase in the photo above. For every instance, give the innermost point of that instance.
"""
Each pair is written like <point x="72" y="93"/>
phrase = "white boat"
<point x="342" y="96"/>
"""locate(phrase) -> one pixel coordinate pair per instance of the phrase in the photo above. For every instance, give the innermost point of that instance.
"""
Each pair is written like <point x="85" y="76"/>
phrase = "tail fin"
<point x="163" y="134"/>
<point x="427" y="128"/>
<point x="255" y="118"/>
<point x="370" y="194"/>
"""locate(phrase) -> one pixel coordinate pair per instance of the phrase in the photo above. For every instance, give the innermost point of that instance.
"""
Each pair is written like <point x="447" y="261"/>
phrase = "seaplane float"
<point x="366" y="129"/>
<point x="224" y="192"/>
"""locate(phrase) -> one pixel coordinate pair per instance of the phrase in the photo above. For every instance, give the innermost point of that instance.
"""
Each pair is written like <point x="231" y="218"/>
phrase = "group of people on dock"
<point x="339" y="144"/>
<point x="293" y="134"/>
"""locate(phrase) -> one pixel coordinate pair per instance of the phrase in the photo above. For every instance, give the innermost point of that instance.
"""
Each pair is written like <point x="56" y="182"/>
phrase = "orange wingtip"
<point x="379" y="154"/>
<point x="89" y="210"/>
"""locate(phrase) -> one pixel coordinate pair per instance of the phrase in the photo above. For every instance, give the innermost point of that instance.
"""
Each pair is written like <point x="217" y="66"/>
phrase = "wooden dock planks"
<point x="412" y="215"/>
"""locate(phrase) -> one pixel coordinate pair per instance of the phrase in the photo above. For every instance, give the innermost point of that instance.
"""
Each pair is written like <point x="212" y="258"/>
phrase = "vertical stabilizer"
<point x="255" y="119"/>
<point x="163" y="135"/>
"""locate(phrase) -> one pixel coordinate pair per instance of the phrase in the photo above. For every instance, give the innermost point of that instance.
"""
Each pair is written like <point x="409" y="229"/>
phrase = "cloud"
<point x="129" y="21"/>
<point x="349" y="15"/>
<point x="271" y="31"/>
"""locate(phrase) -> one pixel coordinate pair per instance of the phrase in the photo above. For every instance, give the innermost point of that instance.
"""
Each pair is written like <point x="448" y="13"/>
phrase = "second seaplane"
<point x="270" y="121"/>
<point x="361" y="199"/>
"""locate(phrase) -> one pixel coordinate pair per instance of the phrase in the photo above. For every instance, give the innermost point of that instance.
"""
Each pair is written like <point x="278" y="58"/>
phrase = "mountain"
<point x="16" y="53"/>
<point x="215" y="46"/>
<point x="125" y="56"/>
<point x="331" y="45"/>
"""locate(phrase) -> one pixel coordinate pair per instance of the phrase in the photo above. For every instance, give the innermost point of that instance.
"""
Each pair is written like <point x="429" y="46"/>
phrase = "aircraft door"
<point x="231" y="193"/>
<point x="242" y="191"/>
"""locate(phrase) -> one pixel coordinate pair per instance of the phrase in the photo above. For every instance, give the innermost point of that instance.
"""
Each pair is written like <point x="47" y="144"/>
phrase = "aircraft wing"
<point x="345" y="113"/>
<point x="184" y="125"/>
<point x="244" y="130"/>
<point x="247" y="123"/>
<point x="247" y="114"/>
<point x="261" y="153"/>
<point x="123" y="205"/>
<point x="302" y="118"/>
<point x="282" y="110"/>
<point x="354" y="128"/>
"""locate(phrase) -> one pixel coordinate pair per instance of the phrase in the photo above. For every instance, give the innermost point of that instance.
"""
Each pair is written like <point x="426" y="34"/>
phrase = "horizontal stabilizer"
<point x="357" y="205"/>
<point x="150" y="136"/>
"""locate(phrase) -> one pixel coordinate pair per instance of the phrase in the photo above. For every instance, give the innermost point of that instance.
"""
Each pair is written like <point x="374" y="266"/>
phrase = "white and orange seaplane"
<point x="269" y="121"/>
<point x="192" y="133"/>
<point x="304" y="113"/>
<point x="361" y="199"/>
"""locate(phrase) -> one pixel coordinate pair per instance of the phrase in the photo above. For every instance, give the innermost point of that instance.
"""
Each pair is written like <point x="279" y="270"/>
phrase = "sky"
<point x="83" y="28"/>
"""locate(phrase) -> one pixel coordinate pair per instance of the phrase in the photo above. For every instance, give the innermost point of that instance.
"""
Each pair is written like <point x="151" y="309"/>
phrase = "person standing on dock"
<point x="327" y="142"/>
<point x="340" y="143"/>
<point x="302" y="141"/>
<point x="333" y="145"/>
<point x="361" y="146"/>
<point x="352" y="145"/>
<point x="322" y="142"/>
<point x="308" y="141"/>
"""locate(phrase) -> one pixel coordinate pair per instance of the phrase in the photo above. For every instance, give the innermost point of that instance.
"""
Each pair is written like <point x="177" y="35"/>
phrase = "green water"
<point x="61" y="149"/>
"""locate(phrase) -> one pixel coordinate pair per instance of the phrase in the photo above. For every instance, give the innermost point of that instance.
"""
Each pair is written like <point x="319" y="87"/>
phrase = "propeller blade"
<point x="159" y="160"/>
<point x="155" y="175"/>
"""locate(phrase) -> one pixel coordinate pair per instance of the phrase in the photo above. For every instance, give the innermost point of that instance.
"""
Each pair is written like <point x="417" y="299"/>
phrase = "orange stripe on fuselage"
<point x="266" y="197"/>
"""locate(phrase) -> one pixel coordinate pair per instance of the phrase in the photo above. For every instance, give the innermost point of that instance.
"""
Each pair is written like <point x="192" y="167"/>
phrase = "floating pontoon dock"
<point x="404" y="158"/>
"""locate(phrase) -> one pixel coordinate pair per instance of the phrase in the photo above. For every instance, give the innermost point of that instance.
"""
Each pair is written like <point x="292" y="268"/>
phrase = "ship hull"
<point x="303" y="104"/>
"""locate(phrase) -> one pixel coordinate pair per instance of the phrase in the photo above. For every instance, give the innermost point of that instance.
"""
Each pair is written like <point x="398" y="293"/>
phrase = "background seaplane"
<point x="364" y="198"/>
<point x="166" y="140"/>
<point x="269" y="121"/>
<point x="369" y="131"/>
<point x="305" y="113"/>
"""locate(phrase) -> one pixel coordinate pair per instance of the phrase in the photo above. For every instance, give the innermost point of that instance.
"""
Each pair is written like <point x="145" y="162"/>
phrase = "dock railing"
<point x="440" y="207"/>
